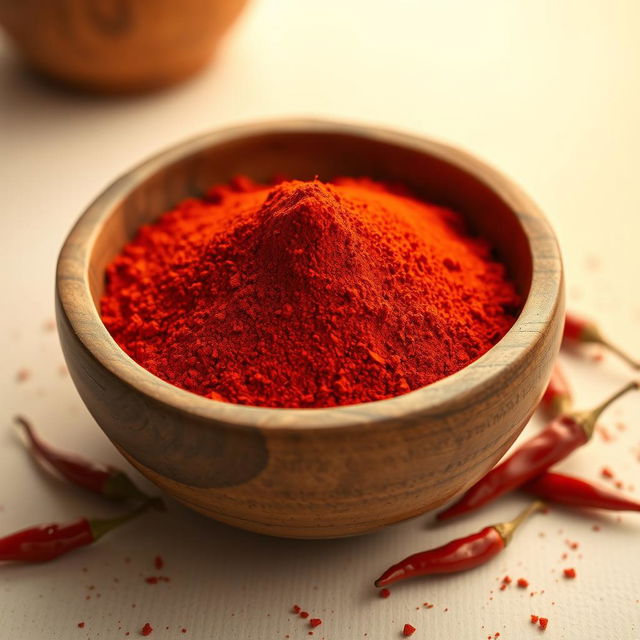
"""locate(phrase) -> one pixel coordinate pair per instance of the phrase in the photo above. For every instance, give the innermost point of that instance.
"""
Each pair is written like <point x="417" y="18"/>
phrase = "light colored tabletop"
<point x="547" y="91"/>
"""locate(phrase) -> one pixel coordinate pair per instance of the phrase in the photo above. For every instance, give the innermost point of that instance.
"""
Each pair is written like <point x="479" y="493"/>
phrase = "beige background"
<point x="547" y="91"/>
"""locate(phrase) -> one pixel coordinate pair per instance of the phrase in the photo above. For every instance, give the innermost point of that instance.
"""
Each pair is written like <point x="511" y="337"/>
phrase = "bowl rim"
<point x="76" y="302"/>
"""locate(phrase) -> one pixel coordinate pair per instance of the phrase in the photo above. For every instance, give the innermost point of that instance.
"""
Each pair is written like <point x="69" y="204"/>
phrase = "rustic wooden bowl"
<point x="314" y="473"/>
<point x="118" y="46"/>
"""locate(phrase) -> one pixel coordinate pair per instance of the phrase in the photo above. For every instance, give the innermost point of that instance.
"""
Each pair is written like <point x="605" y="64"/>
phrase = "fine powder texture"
<point x="306" y="294"/>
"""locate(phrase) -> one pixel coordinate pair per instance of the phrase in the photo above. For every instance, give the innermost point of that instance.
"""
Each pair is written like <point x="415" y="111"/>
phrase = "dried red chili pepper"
<point x="554" y="443"/>
<point x="103" y="480"/>
<point x="48" y="541"/>
<point x="577" y="329"/>
<point x="558" y="487"/>
<point x="558" y="398"/>
<point x="458" y="555"/>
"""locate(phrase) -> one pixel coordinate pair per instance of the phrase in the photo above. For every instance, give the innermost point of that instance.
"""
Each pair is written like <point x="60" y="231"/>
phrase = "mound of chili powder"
<point x="306" y="294"/>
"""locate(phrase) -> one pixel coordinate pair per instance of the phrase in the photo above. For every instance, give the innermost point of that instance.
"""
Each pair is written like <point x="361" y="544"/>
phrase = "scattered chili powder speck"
<point x="81" y="625"/>
<point x="523" y="583"/>
<point x="408" y="630"/>
<point x="534" y="619"/>
<point x="146" y="630"/>
<point x="23" y="375"/>
<point x="151" y="580"/>
<point x="543" y="622"/>
<point x="158" y="562"/>
<point x="296" y="608"/>
<point x="304" y="614"/>
<point x="606" y="472"/>
<point x="183" y="630"/>
<point x="604" y="433"/>
<point x="315" y="622"/>
<point x="385" y="593"/>
<point x="569" y="573"/>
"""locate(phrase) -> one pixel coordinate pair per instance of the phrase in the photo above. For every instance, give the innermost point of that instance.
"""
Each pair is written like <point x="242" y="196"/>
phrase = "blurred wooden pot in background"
<point x="118" y="46"/>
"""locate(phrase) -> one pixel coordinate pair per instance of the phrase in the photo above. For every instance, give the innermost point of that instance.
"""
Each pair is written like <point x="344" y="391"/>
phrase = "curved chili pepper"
<point x="554" y="443"/>
<point x="558" y="487"/>
<point x="48" y="541"/>
<point x="104" y="480"/>
<point x="581" y="330"/>
<point x="458" y="555"/>
<point x="558" y="398"/>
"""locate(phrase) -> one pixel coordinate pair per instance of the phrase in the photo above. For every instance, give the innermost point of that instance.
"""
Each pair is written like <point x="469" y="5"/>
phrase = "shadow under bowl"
<point x="314" y="473"/>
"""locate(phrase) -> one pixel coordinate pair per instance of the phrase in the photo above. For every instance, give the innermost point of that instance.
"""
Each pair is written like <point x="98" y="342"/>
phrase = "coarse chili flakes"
<point x="523" y="583"/>
<point x="569" y="573"/>
<point x="306" y="294"/>
<point x="408" y="630"/>
<point x="146" y="630"/>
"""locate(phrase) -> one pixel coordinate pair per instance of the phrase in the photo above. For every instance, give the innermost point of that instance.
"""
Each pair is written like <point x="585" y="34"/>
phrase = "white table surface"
<point x="548" y="91"/>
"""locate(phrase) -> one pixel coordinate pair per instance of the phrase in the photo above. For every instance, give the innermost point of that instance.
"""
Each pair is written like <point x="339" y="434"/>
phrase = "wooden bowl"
<point x="118" y="46"/>
<point x="314" y="473"/>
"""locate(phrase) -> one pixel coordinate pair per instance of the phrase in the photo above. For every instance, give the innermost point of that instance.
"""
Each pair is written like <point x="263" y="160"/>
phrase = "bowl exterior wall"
<point x="314" y="483"/>
<point x="121" y="47"/>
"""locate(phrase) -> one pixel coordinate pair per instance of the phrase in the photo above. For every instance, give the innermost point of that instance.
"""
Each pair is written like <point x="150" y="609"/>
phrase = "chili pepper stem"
<point x="507" y="529"/>
<point x="635" y="364"/>
<point x="102" y="526"/>
<point x="587" y="419"/>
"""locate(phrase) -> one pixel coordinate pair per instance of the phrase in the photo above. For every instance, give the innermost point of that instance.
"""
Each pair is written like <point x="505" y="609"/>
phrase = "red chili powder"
<point x="23" y="375"/>
<point x="304" y="614"/>
<point x="296" y="608"/>
<point x="158" y="562"/>
<point x="81" y="625"/>
<point x="569" y="573"/>
<point x="543" y="622"/>
<point x="385" y="593"/>
<point x="306" y="294"/>
<point x="534" y="619"/>
<point x="523" y="583"/>
<point x="146" y="630"/>
<point x="408" y="630"/>
<point x="315" y="622"/>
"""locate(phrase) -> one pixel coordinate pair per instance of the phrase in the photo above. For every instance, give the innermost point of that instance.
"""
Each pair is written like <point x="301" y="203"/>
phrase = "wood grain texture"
<point x="314" y="473"/>
<point x="118" y="46"/>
